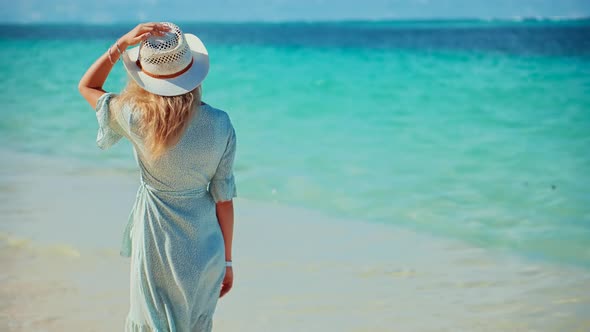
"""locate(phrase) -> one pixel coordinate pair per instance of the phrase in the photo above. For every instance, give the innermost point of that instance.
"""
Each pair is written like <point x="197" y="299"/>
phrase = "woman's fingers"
<point x="141" y="37"/>
<point x="143" y="31"/>
<point x="158" y="30"/>
<point x="149" y="25"/>
<point x="227" y="283"/>
<point x="156" y="26"/>
<point x="224" y="289"/>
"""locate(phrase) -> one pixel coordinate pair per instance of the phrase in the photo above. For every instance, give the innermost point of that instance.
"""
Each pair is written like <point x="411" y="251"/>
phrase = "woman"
<point x="179" y="234"/>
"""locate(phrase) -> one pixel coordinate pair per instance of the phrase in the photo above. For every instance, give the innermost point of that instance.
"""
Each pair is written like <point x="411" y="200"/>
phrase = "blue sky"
<point x="107" y="11"/>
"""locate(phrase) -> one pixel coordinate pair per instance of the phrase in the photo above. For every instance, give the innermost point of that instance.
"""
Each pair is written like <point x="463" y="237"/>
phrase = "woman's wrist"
<point x="114" y="53"/>
<point x="121" y="44"/>
<point x="116" y="50"/>
<point x="228" y="263"/>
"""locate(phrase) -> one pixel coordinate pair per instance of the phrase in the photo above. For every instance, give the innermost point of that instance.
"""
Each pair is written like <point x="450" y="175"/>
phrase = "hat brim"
<point x="179" y="85"/>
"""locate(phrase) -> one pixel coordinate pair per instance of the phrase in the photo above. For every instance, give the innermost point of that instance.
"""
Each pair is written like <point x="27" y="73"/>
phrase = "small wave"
<point x="573" y="18"/>
<point x="27" y="245"/>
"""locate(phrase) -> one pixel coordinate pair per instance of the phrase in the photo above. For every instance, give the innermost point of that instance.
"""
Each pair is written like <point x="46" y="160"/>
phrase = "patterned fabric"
<point x="172" y="236"/>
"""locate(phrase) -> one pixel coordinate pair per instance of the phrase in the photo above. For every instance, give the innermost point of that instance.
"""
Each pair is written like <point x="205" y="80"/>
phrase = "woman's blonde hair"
<point x="163" y="119"/>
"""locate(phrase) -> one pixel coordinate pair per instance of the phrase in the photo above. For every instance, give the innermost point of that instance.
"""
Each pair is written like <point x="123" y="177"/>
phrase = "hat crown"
<point x="167" y="54"/>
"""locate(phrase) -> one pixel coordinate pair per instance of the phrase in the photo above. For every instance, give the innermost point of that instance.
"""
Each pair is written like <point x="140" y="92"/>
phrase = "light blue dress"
<point x="173" y="236"/>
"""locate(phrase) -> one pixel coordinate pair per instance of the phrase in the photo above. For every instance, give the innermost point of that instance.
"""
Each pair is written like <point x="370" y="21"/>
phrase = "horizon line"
<point x="513" y="19"/>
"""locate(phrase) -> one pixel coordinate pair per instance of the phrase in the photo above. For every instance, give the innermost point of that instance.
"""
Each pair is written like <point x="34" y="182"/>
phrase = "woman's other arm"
<point x="225" y="217"/>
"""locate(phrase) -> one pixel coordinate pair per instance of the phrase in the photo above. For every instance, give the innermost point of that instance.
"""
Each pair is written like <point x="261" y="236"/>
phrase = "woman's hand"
<point x="142" y="32"/>
<point x="228" y="281"/>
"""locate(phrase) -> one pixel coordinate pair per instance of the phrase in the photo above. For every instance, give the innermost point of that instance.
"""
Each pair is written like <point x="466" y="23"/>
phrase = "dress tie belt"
<point x="144" y="200"/>
<point x="193" y="192"/>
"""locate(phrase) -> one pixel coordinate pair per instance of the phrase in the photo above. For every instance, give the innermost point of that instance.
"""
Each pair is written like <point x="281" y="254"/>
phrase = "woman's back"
<point x="194" y="160"/>
<point x="203" y="154"/>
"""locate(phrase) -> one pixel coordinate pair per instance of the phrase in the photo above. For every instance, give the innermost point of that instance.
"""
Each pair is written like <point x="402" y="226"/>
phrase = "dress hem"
<point x="132" y="326"/>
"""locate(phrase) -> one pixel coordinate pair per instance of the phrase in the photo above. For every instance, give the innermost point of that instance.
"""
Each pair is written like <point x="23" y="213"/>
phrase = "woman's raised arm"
<point x="90" y="85"/>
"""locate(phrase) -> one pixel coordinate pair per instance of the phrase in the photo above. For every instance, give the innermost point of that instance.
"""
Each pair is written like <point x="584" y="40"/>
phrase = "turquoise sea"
<point x="474" y="130"/>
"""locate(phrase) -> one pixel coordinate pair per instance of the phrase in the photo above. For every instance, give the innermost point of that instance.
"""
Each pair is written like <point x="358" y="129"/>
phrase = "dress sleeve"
<point x="223" y="186"/>
<point x="109" y="129"/>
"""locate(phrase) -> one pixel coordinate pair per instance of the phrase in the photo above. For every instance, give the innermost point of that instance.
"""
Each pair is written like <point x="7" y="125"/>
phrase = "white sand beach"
<point x="295" y="270"/>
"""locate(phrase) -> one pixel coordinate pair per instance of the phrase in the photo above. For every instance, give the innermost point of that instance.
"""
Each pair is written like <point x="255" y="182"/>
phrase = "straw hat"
<point x="168" y="65"/>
